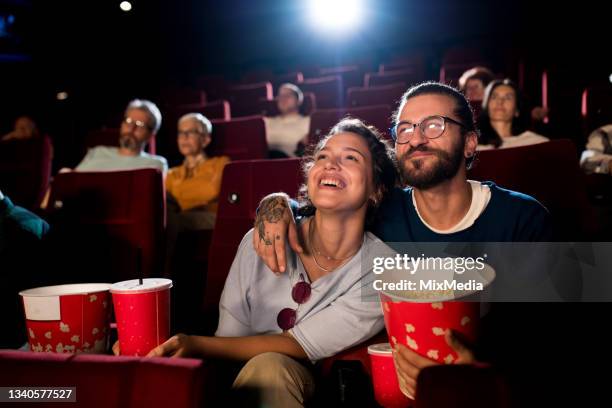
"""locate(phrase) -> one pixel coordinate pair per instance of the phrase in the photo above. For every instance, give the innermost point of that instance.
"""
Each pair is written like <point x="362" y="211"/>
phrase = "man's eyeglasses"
<point x="138" y="123"/>
<point x="300" y="293"/>
<point x="190" y="132"/>
<point x="431" y="127"/>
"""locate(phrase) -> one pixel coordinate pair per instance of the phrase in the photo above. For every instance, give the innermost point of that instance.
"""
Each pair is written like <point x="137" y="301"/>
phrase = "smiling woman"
<point x="277" y="323"/>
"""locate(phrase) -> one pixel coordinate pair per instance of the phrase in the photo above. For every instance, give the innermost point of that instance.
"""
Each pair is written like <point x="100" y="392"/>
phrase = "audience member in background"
<point x="474" y="81"/>
<point x="287" y="133"/>
<point x="140" y="124"/>
<point x="25" y="128"/>
<point x="347" y="177"/>
<point x="20" y="234"/>
<point x="501" y="122"/>
<point x="597" y="158"/>
<point x="195" y="185"/>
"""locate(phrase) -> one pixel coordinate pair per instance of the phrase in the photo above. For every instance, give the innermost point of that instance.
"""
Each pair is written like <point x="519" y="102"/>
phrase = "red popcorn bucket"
<point x="143" y="314"/>
<point x="420" y="319"/>
<point x="68" y="318"/>
<point x="386" y="388"/>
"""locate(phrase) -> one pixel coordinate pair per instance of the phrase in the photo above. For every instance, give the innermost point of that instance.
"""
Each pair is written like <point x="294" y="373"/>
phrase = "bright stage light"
<point x="125" y="6"/>
<point x="335" y="15"/>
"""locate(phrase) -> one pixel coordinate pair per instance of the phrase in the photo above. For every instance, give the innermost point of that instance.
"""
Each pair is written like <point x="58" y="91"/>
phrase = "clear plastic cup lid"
<point x="134" y="286"/>
<point x="380" y="349"/>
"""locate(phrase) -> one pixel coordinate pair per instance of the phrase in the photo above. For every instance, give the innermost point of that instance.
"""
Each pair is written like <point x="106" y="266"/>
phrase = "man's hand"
<point x="179" y="345"/>
<point x="273" y="222"/>
<point x="409" y="364"/>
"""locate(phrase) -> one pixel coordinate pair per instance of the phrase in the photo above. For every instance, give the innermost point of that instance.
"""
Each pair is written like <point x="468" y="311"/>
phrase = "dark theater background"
<point x="101" y="56"/>
<point x="73" y="65"/>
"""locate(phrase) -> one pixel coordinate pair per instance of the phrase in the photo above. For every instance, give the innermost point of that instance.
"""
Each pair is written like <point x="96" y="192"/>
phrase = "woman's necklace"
<point x="315" y="251"/>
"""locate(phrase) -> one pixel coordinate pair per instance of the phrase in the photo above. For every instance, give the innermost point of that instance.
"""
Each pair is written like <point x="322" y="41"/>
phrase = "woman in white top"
<point x="324" y="302"/>
<point x="501" y="122"/>
<point x="289" y="129"/>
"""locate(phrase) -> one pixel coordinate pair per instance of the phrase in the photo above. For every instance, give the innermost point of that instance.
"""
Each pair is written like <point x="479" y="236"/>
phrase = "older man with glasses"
<point x="140" y="124"/>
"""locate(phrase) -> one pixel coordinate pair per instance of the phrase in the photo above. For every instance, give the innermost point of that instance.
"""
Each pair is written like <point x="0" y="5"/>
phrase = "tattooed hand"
<point x="273" y="222"/>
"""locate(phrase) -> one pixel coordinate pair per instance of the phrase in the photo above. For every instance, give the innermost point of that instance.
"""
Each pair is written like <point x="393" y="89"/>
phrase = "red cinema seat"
<point x="214" y="85"/>
<point x="596" y="108"/>
<point x="212" y="110"/>
<point x="351" y="75"/>
<point x="295" y="78"/>
<point x="25" y="170"/>
<point x="244" y="184"/>
<point x="110" y="137"/>
<point x="321" y="121"/>
<point x="328" y="91"/>
<point x="257" y="75"/>
<point x="245" y="98"/>
<point x="415" y="62"/>
<point x="240" y="139"/>
<point x="545" y="171"/>
<point x="103" y="222"/>
<point x="173" y="96"/>
<point x="375" y="95"/>
<point x="109" y="381"/>
<point x="406" y="77"/>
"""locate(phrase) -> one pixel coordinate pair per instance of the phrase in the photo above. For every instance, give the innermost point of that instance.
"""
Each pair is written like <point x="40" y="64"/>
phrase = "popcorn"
<point x="411" y="343"/>
<point x="38" y="348"/>
<point x="433" y="354"/>
<point x="32" y="335"/>
<point x="393" y="340"/>
<point x="48" y="335"/>
<point x="75" y="338"/>
<point x="64" y="327"/>
<point x="69" y="349"/>
<point x="438" y="331"/>
<point x="410" y="328"/>
<point x="49" y="348"/>
<point x="59" y="348"/>
<point x="449" y="359"/>
<point x="465" y="320"/>
<point x="438" y="305"/>
<point x="92" y="298"/>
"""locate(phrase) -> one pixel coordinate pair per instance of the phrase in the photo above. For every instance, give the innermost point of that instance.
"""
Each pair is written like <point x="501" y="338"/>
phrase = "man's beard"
<point x="445" y="168"/>
<point x="128" y="141"/>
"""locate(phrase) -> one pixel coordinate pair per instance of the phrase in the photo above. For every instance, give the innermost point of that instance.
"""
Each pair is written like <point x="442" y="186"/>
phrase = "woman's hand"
<point x="116" y="348"/>
<point x="273" y="222"/>
<point x="179" y="345"/>
<point x="409" y="364"/>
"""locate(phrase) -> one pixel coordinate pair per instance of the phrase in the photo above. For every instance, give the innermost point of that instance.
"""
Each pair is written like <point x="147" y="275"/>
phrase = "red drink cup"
<point x="68" y="318"/>
<point x="142" y="313"/>
<point x="386" y="387"/>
